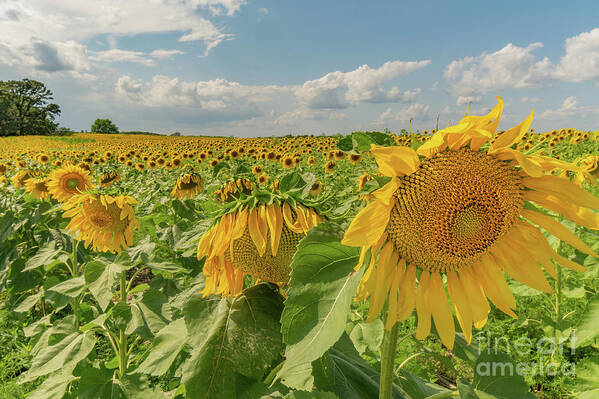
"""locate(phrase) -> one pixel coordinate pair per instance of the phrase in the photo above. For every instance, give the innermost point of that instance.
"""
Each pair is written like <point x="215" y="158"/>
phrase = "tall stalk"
<point x="387" y="361"/>
<point x="123" y="354"/>
<point x="75" y="273"/>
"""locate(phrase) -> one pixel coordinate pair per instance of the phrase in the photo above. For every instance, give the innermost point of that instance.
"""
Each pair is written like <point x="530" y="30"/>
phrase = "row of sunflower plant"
<point x="217" y="269"/>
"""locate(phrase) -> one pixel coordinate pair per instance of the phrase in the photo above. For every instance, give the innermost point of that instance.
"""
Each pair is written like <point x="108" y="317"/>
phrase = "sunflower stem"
<point x="122" y="342"/>
<point x="75" y="273"/>
<point x="387" y="361"/>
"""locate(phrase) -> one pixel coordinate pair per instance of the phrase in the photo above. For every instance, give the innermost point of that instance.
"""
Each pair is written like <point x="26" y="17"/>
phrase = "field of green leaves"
<point x="134" y="303"/>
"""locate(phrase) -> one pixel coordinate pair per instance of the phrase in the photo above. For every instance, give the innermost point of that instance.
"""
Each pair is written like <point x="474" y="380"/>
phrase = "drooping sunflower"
<point x="103" y="221"/>
<point x="257" y="234"/>
<point x="67" y="181"/>
<point x="20" y="179"/>
<point x="108" y="178"/>
<point x="187" y="186"/>
<point x="38" y="187"/>
<point x="461" y="209"/>
<point x="258" y="241"/>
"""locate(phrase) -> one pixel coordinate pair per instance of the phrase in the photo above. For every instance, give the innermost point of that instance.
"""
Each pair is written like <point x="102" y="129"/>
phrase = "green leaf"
<point x="346" y="144"/>
<point x="68" y="351"/>
<point x="151" y="314"/>
<point x="367" y="335"/>
<point x="309" y="395"/>
<point x="142" y="251"/>
<point x="44" y="256"/>
<point x="588" y="327"/>
<point x="242" y="336"/>
<point x="27" y="303"/>
<point x="165" y="347"/>
<point x="71" y="287"/>
<point x="96" y="383"/>
<point x="292" y="182"/>
<point x="167" y="267"/>
<point x="465" y="389"/>
<point x="53" y="387"/>
<point x="342" y="371"/>
<point x="497" y="375"/>
<point x="587" y="374"/>
<point x="101" y="278"/>
<point x="322" y="286"/>
<point x="119" y="316"/>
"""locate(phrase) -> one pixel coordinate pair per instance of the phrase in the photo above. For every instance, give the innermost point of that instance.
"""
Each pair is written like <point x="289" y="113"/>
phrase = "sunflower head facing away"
<point x="67" y="181"/>
<point x="108" y="178"/>
<point x="455" y="211"/>
<point x="253" y="238"/>
<point x="20" y="179"/>
<point x="234" y="189"/>
<point x="103" y="221"/>
<point x="187" y="186"/>
<point x="38" y="187"/>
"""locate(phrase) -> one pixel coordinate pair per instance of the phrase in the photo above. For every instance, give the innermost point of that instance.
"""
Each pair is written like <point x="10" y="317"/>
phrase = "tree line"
<point x="26" y="108"/>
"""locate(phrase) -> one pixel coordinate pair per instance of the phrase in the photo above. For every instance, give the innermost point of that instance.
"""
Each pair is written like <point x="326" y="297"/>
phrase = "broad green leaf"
<point x="228" y="337"/>
<point x="96" y="383"/>
<point x="44" y="256"/>
<point x="417" y="388"/>
<point x="165" y="347"/>
<point x="137" y="386"/>
<point x="309" y="395"/>
<point x="497" y="375"/>
<point x="587" y="374"/>
<point x="71" y="287"/>
<point x="142" y="251"/>
<point x="68" y="351"/>
<point x="465" y="389"/>
<point x="52" y="388"/>
<point x="119" y="316"/>
<point x="167" y="267"/>
<point x="367" y="335"/>
<point x="342" y="371"/>
<point x="101" y="278"/>
<point x="588" y="327"/>
<point x="27" y="303"/>
<point x="322" y="286"/>
<point x="292" y="182"/>
<point x="151" y="314"/>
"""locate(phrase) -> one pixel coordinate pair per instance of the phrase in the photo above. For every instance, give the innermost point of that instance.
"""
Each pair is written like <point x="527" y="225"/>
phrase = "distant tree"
<point x="25" y="108"/>
<point x="104" y="126"/>
<point x="176" y="134"/>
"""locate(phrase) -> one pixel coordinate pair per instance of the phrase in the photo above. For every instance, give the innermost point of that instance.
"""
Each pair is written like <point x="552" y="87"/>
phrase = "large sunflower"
<point x="106" y="222"/>
<point x="187" y="186"/>
<point x="259" y="241"/>
<point x="67" y="181"/>
<point x="460" y="209"/>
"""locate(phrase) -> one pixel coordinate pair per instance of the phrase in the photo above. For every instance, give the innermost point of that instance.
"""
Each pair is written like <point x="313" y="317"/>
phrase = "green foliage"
<point x="104" y="126"/>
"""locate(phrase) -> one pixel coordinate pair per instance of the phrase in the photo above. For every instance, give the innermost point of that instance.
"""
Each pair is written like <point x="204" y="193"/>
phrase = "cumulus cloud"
<point x="465" y="100"/>
<point x="412" y="111"/>
<point x="65" y="25"/>
<point x="163" y="91"/>
<point x="364" y="84"/>
<point x="139" y="57"/>
<point x="569" y="108"/>
<point x="302" y="114"/>
<point x="517" y="67"/>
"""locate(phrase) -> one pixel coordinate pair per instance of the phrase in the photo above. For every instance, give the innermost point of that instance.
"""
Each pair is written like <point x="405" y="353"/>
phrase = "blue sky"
<point x="261" y="68"/>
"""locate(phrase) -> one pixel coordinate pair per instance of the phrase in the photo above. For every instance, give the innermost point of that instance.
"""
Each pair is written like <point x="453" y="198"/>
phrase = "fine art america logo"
<point x="549" y="357"/>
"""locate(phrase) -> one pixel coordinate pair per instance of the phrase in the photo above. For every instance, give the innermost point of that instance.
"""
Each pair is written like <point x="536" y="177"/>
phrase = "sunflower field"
<point x="458" y="263"/>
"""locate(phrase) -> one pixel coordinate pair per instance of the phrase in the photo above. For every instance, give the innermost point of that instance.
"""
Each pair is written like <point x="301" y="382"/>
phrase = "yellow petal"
<point x="558" y="230"/>
<point x="528" y="164"/>
<point x="461" y="304"/>
<point x="395" y="161"/>
<point x="579" y="215"/>
<point x="422" y="306"/>
<point x="368" y="225"/>
<point x="442" y="314"/>
<point x="254" y="227"/>
<point x="513" y="135"/>
<point x="407" y="293"/>
<point x="562" y="188"/>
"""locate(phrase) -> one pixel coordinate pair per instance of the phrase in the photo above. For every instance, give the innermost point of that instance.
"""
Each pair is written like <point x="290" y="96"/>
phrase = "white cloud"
<point x="530" y="99"/>
<point x="163" y="54"/>
<point x="216" y="94"/>
<point x="569" y="108"/>
<point x="364" y="84"/>
<point x="302" y="114"/>
<point x="581" y="61"/>
<point x="517" y="67"/>
<point x="263" y="11"/>
<point x="412" y="111"/>
<point x="66" y="24"/>
<point x="512" y="66"/>
<point x="465" y="100"/>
